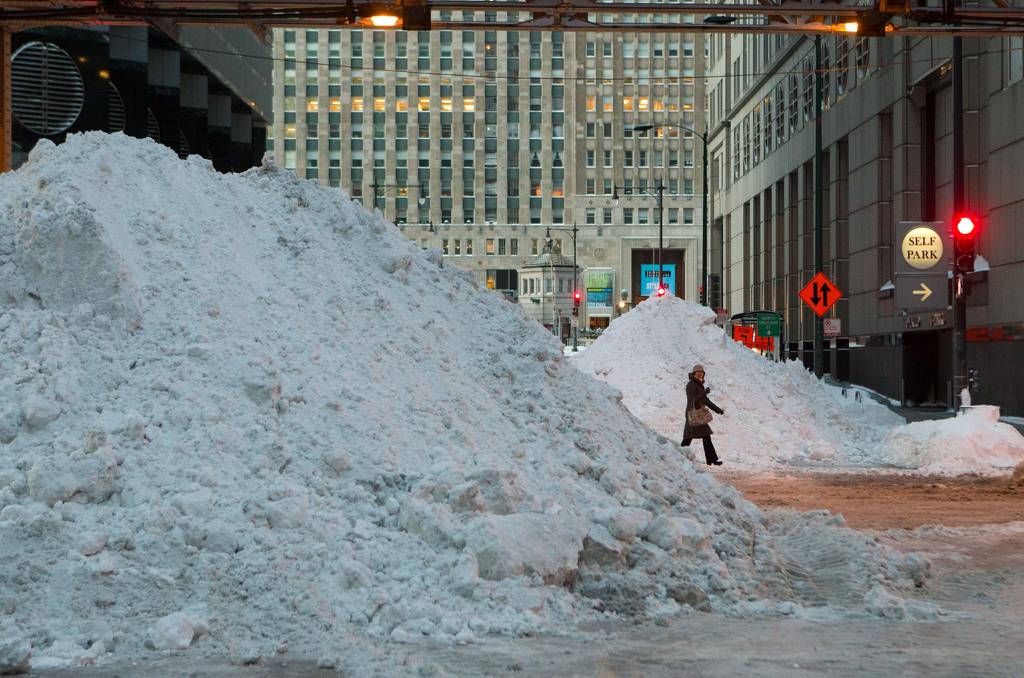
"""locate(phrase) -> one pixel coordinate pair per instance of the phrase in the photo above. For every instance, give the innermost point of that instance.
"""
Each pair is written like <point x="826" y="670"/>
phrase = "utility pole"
<point x="959" y="291"/>
<point x="704" y="291"/>
<point x="819" y="207"/>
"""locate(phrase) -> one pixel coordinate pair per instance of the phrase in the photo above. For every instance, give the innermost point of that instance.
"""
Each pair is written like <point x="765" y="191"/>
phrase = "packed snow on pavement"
<point x="778" y="415"/>
<point x="240" y="415"/>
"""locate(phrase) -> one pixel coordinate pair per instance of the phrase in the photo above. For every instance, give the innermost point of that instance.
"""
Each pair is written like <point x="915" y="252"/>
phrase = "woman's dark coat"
<point x="697" y="397"/>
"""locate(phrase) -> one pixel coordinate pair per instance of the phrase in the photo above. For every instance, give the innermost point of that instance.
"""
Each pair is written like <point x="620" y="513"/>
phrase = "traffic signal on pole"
<point x="576" y="297"/>
<point x="965" y="233"/>
<point x="661" y="291"/>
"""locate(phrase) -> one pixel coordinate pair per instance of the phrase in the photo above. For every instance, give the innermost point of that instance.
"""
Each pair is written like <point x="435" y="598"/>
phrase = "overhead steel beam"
<point x="6" y="118"/>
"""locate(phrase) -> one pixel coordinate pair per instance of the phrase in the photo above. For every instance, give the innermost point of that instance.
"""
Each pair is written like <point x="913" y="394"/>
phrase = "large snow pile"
<point x="774" y="412"/>
<point x="973" y="442"/>
<point x="239" y="414"/>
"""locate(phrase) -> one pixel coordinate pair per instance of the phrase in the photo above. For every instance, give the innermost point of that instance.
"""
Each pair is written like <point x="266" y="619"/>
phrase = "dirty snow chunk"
<point x="91" y="543"/>
<point x="601" y="549"/>
<point x="974" y="442"/>
<point x="15" y="649"/>
<point x="624" y="523"/>
<point x="508" y="546"/>
<point x="177" y="630"/>
<point x="93" y="478"/>
<point x="337" y="460"/>
<point x="490" y="491"/>
<point x="288" y="512"/>
<point x="38" y="411"/>
<point x="676" y="532"/>
<point x="1017" y="479"/>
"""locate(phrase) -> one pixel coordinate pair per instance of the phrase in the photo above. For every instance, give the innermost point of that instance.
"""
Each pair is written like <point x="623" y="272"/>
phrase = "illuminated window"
<point x="334" y="105"/>
<point x="357" y="103"/>
<point x="627" y="103"/>
<point x="468" y="104"/>
<point x="378" y="103"/>
<point x="312" y="105"/>
<point x="446" y="104"/>
<point x="643" y="104"/>
<point x="591" y="103"/>
<point x="424" y="104"/>
<point x="402" y="105"/>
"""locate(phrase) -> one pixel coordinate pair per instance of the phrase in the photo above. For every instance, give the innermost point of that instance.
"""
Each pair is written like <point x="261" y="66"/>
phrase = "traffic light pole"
<point x="661" y="231"/>
<point x="819" y="208"/>
<point x="704" y="292"/>
<point x="959" y="291"/>
<point x="575" y="288"/>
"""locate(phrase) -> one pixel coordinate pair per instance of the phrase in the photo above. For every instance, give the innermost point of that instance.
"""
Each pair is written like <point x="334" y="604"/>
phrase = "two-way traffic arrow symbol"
<point x="825" y="289"/>
<point x="924" y="292"/>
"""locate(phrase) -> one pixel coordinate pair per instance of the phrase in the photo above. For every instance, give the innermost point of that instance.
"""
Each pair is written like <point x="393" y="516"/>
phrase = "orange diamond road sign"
<point x="820" y="294"/>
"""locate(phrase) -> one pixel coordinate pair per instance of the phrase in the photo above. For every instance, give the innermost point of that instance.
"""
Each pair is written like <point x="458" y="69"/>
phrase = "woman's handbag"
<point x="699" y="416"/>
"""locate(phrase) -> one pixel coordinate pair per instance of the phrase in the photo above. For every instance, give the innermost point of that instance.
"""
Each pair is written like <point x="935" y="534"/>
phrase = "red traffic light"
<point x="965" y="227"/>
<point x="662" y="291"/>
<point x="576" y="296"/>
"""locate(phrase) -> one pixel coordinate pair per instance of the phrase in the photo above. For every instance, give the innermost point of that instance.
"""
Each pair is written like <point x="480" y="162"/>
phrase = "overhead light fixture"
<point x="406" y="15"/>
<point x="384" y="20"/>
<point x="850" y="26"/>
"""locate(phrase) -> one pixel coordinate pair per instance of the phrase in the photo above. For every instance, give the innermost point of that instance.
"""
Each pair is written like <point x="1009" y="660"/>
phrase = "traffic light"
<point x="662" y="290"/>
<point x="965" y="232"/>
<point x="576" y="297"/>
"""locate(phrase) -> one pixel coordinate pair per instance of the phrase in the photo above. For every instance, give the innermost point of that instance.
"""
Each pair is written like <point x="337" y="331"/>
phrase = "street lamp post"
<point x="421" y="200"/>
<point x="704" y="296"/>
<point x="575" y="277"/>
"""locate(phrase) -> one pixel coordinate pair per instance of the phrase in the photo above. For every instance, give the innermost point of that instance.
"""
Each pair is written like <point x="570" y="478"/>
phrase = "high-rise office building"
<point x="887" y="132"/>
<point x="483" y="143"/>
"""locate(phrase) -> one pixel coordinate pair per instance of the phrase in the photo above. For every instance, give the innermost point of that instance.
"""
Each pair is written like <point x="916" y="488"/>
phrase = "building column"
<point x="6" y="114"/>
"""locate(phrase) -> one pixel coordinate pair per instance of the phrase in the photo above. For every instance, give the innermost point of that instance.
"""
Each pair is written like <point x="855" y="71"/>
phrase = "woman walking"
<point x="698" y="416"/>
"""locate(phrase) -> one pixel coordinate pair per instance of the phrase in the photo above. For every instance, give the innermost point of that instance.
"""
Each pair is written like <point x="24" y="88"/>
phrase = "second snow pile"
<point x="240" y="414"/>
<point x="778" y="413"/>
<point x="775" y="412"/>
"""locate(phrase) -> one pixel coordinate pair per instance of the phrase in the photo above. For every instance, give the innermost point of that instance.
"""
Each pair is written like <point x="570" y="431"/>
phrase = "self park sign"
<point x="820" y="294"/>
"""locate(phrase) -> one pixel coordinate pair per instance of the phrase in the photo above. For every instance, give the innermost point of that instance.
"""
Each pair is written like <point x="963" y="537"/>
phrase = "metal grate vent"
<point x="115" y="109"/>
<point x="183" y="147"/>
<point x="47" y="91"/>
<point x="152" y="126"/>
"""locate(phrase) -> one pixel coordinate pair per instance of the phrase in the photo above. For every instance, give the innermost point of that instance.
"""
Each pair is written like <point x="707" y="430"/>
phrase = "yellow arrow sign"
<point x="925" y="292"/>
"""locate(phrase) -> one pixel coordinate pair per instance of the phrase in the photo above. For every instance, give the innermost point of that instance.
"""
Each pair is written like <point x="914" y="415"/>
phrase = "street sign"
<point x="921" y="265"/>
<point x="924" y="247"/>
<point x="769" y="326"/>
<point x="833" y="327"/>
<point x="820" y="294"/>
<point x="923" y="292"/>
<point x="649" y="278"/>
